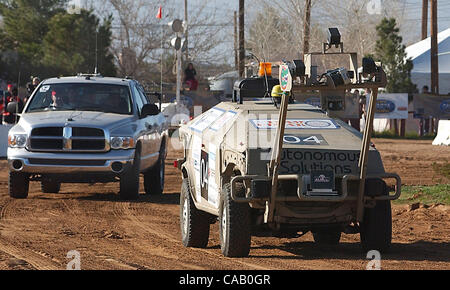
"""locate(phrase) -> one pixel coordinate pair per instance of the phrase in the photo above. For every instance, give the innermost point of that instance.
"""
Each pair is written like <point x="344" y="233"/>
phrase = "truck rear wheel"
<point x="129" y="182"/>
<point x="18" y="185"/>
<point x="48" y="186"/>
<point x="154" y="178"/>
<point x="235" y="232"/>
<point x="195" y="224"/>
<point x="328" y="236"/>
<point x="376" y="228"/>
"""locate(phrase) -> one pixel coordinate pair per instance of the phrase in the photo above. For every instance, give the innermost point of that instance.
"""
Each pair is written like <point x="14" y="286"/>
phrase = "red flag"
<point x="159" y="16"/>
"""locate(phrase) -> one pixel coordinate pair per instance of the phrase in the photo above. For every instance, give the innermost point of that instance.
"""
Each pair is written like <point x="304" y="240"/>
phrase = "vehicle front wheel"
<point x="154" y="178"/>
<point x="376" y="228"/>
<point x="235" y="232"/>
<point x="129" y="182"/>
<point x="18" y="185"/>
<point x="328" y="236"/>
<point x="194" y="223"/>
<point x="48" y="186"/>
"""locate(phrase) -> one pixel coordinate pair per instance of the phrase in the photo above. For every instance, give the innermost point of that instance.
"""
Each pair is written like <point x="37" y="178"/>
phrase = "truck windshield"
<point x="104" y="98"/>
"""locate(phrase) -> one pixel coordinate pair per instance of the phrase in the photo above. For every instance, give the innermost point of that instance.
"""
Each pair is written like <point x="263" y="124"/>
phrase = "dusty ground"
<point x="37" y="233"/>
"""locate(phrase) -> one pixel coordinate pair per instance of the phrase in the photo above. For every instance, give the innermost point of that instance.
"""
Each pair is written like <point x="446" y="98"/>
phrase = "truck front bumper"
<point x="114" y="161"/>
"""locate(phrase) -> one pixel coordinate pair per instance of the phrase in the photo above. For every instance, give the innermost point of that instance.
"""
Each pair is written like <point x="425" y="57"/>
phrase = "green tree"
<point x="25" y="25"/>
<point x="21" y="35"/>
<point x="391" y="52"/>
<point x="70" y="44"/>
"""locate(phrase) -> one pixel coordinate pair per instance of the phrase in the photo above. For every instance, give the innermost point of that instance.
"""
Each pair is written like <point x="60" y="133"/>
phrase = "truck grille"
<point x="68" y="139"/>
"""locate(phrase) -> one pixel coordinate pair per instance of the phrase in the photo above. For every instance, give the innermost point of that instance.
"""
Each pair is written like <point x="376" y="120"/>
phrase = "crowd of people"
<point x="11" y="94"/>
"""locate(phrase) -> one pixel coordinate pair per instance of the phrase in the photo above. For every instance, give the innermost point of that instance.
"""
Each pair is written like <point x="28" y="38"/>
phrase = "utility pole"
<point x="186" y="58"/>
<point x="307" y="27"/>
<point x="241" y="38"/>
<point x="236" y="50"/>
<point x="425" y="19"/>
<point x="434" y="49"/>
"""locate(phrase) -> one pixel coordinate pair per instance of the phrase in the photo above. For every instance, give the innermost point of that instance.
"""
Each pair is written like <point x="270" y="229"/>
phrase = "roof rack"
<point x="82" y="75"/>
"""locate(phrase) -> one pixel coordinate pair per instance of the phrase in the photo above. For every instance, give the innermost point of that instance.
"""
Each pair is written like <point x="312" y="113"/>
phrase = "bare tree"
<point x="354" y="18"/>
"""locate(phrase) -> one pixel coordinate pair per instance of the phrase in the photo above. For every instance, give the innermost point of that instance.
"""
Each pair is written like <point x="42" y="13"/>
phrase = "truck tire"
<point x="194" y="224"/>
<point x="129" y="182"/>
<point x="18" y="185"/>
<point x="376" y="228"/>
<point x="154" y="178"/>
<point x="50" y="186"/>
<point x="328" y="236"/>
<point x="234" y="225"/>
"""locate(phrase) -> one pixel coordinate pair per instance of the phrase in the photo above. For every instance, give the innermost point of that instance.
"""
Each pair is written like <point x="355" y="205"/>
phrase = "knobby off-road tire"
<point x="50" y="186"/>
<point x="18" y="185"/>
<point x="154" y="178"/>
<point x="129" y="182"/>
<point x="376" y="228"/>
<point x="327" y="236"/>
<point x="194" y="224"/>
<point x="235" y="228"/>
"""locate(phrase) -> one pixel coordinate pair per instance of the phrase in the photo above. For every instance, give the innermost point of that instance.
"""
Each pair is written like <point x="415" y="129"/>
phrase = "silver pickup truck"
<point x="88" y="129"/>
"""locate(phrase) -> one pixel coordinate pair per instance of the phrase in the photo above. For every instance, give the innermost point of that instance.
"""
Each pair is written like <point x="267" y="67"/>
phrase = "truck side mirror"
<point x="149" y="110"/>
<point x="13" y="107"/>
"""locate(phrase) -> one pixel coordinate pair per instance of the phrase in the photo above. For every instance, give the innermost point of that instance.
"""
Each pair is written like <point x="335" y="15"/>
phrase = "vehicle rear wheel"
<point x="328" y="236"/>
<point x="18" y="185"/>
<point x="154" y="178"/>
<point x="235" y="232"/>
<point x="129" y="182"/>
<point x="195" y="224"/>
<point x="376" y="228"/>
<point x="48" y="186"/>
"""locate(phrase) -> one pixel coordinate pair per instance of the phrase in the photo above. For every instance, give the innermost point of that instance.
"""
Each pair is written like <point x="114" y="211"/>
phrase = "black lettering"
<point x="330" y="156"/>
<point x="318" y="156"/>
<point x="305" y="156"/>
<point x="342" y="157"/>
<point x="298" y="155"/>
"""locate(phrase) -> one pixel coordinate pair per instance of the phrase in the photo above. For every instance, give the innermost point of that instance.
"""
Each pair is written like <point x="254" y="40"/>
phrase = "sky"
<point x="411" y="10"/>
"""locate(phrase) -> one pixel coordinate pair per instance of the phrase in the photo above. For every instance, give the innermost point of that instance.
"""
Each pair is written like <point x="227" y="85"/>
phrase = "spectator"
<point x="189" y="77"/>
<point x="31" y="87"/>
<point x="12" y="118"/>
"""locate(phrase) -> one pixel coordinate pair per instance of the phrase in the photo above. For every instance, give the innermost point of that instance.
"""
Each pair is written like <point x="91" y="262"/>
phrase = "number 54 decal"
<point x="315" y="140"/>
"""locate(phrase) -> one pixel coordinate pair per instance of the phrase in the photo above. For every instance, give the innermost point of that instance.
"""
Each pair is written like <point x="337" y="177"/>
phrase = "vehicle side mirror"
<point x="13" y="107"/>
<point x="149" y="110"/>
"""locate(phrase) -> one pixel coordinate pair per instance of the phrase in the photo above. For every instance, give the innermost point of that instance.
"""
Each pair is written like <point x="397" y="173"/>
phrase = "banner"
<point x="390" y="106"/>
<point x="426" y="106"/>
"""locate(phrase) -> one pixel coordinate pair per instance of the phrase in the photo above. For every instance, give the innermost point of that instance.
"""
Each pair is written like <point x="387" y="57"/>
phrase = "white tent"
<point x="420" y="53"/>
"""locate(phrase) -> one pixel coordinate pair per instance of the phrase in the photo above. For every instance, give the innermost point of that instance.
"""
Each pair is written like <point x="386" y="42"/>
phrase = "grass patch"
<point x="425" y="194"/>
<point x="390" y="134"/>
<point x="442" y="169"/>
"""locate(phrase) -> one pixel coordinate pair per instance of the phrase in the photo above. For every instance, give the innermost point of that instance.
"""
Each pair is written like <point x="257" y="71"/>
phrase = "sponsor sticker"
<point x="296" y="124"/>
<point x="223" y="120"/>
<point x="445" y="106"/>
<point x="44" y="89"/>
<point x="207" y="119"/>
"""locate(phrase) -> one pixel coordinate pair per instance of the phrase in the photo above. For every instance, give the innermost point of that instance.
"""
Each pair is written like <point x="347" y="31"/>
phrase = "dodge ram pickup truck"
<point x="88" y="129"/>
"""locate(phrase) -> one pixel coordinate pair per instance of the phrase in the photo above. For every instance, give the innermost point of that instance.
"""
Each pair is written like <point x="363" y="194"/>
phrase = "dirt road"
<point x="37" y="233"/>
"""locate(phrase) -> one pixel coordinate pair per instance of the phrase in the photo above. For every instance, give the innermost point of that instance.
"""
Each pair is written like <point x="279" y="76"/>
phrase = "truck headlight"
<point x="17" y="140"/>
<point x="122" y="143"/>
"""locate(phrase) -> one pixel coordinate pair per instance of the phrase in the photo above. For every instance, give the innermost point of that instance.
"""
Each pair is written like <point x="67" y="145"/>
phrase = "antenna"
<point x="96" y="51"/>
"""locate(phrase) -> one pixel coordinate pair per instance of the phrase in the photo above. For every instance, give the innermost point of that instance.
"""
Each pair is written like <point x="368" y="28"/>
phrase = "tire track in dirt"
<point x="163" y="234"/>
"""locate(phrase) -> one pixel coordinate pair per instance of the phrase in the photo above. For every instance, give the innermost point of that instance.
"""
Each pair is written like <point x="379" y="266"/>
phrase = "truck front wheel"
<point x="48" y="186"/>
<point x="195" y="224"/>
<point x="235" y="233"/>
<point x="18" y="185"/>
<point x="154" y="178"/>
<point x="129" y="182"/>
